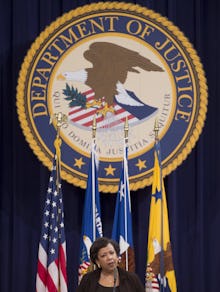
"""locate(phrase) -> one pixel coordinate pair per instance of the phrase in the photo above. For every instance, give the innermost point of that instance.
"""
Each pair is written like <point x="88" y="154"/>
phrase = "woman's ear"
<point x="98" y="264"/>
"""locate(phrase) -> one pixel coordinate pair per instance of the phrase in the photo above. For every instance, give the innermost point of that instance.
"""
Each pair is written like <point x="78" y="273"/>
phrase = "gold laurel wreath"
<point x="108" y="6"/>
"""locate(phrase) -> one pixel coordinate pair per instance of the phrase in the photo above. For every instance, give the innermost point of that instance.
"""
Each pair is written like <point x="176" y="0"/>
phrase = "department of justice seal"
<point x="115" y="62"/>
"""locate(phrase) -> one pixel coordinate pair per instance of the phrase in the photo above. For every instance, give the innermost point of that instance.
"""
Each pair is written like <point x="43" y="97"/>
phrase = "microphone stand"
<point x="115" y="279"/>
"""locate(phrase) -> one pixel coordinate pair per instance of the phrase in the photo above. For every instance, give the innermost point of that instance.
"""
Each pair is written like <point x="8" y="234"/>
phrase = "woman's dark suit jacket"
<point x="129" y="282"/>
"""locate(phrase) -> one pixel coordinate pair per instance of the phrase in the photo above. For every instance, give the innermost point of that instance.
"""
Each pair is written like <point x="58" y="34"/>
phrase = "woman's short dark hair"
<point x="100" y="243"/>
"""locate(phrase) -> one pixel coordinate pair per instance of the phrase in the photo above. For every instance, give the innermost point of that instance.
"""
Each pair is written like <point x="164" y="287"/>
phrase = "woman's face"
<point x="107" y="258"/>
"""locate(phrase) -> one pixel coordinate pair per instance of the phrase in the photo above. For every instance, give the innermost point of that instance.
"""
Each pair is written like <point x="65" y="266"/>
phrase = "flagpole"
<point x="93" y="178"/>
<point x="127" y="188"/>
<point x="59" y="119"/>
<point x="156" y="131"/>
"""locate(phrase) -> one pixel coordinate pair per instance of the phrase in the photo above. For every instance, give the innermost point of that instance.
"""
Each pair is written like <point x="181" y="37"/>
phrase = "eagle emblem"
<point x="111" y="64"/>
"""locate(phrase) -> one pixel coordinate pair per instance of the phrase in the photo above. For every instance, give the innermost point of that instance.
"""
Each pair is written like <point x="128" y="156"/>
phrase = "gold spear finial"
<point x="126" y="130"/>
<point x="94" y="126"/>
<point x="59" y="119"/>
<point x="156" y="128"/>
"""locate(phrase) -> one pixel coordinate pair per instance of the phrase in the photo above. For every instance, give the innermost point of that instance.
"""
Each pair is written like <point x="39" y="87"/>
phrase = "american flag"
<point x="51" y="270"/>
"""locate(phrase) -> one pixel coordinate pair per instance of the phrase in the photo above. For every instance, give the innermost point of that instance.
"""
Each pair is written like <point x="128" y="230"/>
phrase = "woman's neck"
<point x="106" y="273"/>
<point x="109" y="278"/>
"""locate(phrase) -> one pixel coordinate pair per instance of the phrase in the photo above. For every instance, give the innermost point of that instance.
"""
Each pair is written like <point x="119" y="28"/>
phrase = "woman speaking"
<point x="104" y="253"/>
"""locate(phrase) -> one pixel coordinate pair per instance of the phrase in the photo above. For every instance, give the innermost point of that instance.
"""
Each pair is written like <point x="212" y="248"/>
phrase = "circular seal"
<point x="115" y="62"/>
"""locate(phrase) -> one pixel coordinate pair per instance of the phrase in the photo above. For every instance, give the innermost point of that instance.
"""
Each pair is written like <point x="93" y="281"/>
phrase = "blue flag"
<point x="122" y="226"/>
<point x="91" y="224"/>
